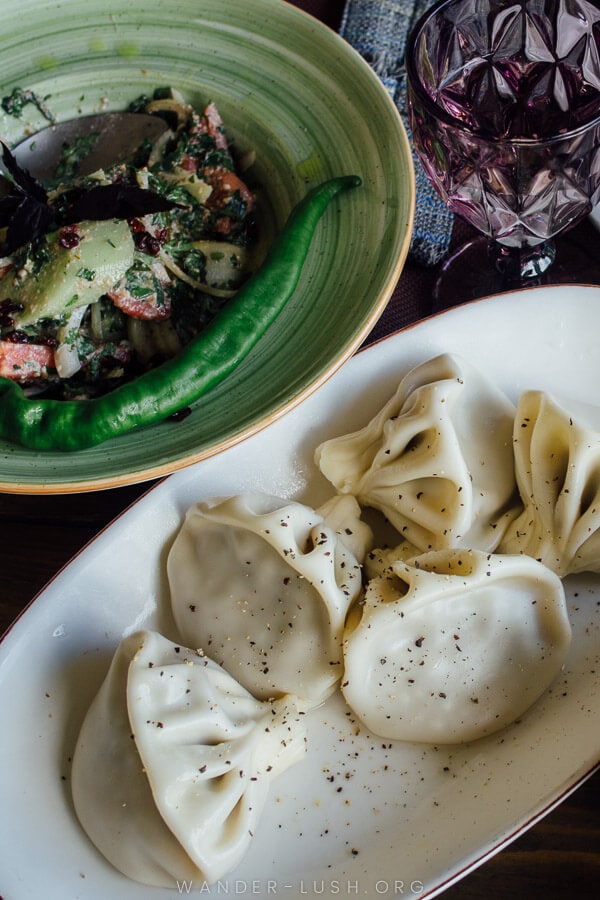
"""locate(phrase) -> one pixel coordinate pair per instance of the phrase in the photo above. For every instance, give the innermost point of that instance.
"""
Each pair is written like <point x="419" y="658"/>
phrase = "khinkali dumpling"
<point x="437" y="460"/>
<point x="263" y="586"/>
<point x="557" y="462"/>
<point x="174" y="761"/>
<point x="454" y="645"/>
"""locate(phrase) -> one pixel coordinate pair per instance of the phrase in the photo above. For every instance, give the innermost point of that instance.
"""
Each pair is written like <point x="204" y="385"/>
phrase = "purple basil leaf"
<point x="8" y="206"/>
<point x="21" y="177"/>
<point x="116" y="201"/>
<point x="30" y="221"/>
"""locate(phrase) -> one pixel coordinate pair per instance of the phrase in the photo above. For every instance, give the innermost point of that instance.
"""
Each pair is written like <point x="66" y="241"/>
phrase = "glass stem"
<point x="522" y="265"/>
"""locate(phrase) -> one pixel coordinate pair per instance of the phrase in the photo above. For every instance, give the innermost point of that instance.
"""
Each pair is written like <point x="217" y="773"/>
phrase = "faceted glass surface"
<point x="504" y="100"/>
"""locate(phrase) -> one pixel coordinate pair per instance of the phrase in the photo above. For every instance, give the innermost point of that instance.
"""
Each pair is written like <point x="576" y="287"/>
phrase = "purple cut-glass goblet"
<point x="504" y="107"/>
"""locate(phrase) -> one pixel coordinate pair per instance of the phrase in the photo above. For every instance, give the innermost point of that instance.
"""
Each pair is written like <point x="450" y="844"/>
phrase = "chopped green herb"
<point x="71" y="156"/>
<point x="14" y="103"/>
<point x="88" y="274"/>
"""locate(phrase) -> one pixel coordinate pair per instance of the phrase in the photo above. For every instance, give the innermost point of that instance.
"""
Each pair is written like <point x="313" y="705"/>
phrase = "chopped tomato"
<point x="147" y="307"/>
<point x="25" y="362"/>
<point x="225" y="184"/>
<point x="189" y="163"/>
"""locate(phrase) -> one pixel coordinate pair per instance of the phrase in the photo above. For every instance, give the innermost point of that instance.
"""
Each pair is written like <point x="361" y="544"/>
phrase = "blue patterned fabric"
<point x="378" y="30"/>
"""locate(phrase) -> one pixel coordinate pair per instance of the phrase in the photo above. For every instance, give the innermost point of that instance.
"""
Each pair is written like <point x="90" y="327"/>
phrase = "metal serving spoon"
<point x="113" y="138"/>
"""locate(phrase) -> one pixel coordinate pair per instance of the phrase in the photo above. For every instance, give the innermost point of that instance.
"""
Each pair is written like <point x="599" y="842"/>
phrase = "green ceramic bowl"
<point x="306" y="103"/>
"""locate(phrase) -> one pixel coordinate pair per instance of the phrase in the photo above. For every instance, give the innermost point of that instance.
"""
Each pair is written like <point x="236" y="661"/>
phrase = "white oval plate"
<point x="357" y="816"/>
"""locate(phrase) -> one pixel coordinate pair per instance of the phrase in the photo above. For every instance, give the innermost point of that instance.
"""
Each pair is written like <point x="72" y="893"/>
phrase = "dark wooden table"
<point x="556" y="859"/>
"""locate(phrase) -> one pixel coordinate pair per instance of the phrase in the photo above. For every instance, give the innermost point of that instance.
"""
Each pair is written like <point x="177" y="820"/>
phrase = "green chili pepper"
<point x="75" y="424"/>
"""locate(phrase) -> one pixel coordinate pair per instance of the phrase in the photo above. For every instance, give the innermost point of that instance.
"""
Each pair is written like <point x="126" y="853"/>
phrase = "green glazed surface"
<point x="296" y="94"/>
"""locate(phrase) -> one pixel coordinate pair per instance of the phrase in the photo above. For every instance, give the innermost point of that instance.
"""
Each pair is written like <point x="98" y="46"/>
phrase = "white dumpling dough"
<point x="557" y="462"/>
<point x="437" y="460"/>
<point x="454" y="645"/>
<point x="379" y="560"/>
<point x="173" y="763"/>
<point x="342" y="514"/>
<point x="263" y="586"/>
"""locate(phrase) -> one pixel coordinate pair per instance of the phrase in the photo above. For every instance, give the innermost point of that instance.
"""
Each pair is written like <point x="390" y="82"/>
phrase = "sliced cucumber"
<point x="73" y="277"/>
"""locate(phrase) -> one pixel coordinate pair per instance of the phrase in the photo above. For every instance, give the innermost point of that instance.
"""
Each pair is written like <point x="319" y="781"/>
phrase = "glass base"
<point x="470" y="272"/>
